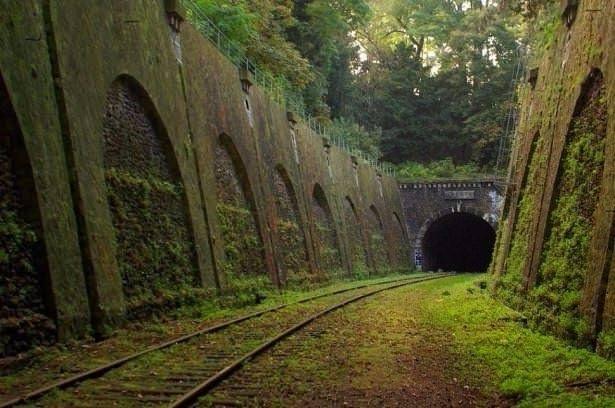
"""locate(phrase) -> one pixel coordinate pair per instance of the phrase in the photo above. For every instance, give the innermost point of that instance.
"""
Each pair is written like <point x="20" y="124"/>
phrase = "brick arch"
<point x="401" y="240"/>
<point x="237" y="213"/>
<point x="26" y="307"/>
<point x="356" y="237"/>
<point x="374" y="210"/>
<point x="146" y="197"/>
<point x="561" y="261"/>
<point x="400" y="225"/>
<point x="326" y="240"/>
<point x="460" y="240"/>
<point x="490" y="218"/>
<point x="377" y="240"/>
<point x="289" y="229"/>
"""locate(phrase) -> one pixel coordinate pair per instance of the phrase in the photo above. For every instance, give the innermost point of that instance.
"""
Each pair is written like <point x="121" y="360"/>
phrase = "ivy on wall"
<point x="291" y="241"/>
<point x="509" y="285"/>
<point x="553" y="303"/>
<point x="326" y="237"/>
<point x="153" y="240"/>
<point x="236" y="212"/>
<point x="23" y="319"/>
<point x="377" y="241"/>
<point x="564" y="260"/>
<point x="355" y="239"/>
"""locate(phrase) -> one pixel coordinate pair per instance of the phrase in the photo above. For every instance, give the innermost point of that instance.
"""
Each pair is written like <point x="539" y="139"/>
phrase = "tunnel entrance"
<point x="459" y="242"/>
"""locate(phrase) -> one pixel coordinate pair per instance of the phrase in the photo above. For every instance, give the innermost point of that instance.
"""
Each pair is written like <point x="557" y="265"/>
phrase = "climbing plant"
<point x="24" y="320"/>
<point x="146" y="199"/>
<point x="237" y="219"/>
<point x="291" y="242"/>
<point x="326" y="240"/>
<point x="355" y="240"/>
<point x="564" y="262"/>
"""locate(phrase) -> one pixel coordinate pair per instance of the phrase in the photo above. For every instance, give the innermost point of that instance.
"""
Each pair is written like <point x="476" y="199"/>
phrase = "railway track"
<point x="176" y="373"/>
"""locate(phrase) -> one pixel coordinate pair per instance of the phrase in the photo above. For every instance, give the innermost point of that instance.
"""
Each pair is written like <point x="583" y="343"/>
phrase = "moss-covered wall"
<point x="24" y="317"/>
<point x="147" y="199"/>
<point x="355" y="238"/>
<point x="27" y="75"/>
<point x="554" y="257"/>
<point x="236" y="214"/>
<point x="158" y="177"/>
<point x="288" y="229"/>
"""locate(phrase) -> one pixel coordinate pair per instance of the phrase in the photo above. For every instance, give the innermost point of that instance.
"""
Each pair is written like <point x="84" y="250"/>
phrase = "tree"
<point x="436" y="78"/>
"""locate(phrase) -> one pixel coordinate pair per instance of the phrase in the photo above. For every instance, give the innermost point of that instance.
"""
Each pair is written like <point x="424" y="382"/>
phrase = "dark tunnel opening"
<point x="459" y="242"/>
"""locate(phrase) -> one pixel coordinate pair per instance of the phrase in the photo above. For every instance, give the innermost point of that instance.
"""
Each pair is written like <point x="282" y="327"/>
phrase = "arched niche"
<point x="291" y="246"/>
<point x="401" y="244"/>
<point x="153" y="235"/>
<point x="377" y="239"/>
<point x="356" y="242"/>
<point x="565" y="257"/>
<point x="237" y="213"/>
<point x="326" y="241"/>
<point x="26" y="318"/>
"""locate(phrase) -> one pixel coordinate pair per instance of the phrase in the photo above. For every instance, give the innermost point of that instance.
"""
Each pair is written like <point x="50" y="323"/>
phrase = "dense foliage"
<point x="438" y="169"/>
<point x="417" y="80"/>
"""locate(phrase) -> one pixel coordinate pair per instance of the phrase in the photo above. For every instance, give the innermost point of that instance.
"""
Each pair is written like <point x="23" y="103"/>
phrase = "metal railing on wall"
<point x="508" y="137"/>
<point x="278" y="89"/>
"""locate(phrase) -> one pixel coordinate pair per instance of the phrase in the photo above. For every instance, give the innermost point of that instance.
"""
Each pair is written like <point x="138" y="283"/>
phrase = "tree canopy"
<point x="408" y="80"/>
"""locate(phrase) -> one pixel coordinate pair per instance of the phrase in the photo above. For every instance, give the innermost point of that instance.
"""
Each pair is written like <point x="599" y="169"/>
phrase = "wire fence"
<point x="509" y="134"/>
<point x="278" y="89"/>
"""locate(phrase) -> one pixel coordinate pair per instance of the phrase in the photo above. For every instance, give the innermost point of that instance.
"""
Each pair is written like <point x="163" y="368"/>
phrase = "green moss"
<point x="154" y="246"/>
<point x="564" y="260"/>
<point x="553" y="303"/>
<point x="23" y="319"/>
<point x="606" y="344"/>
<point x="242" y="245"/>
<point x="534" y="369"/>
<point x="509" y="286"/>
<point x="326" y="246"/>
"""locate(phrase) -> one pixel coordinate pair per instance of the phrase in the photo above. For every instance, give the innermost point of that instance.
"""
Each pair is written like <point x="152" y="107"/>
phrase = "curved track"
<point x="176" y="373"/>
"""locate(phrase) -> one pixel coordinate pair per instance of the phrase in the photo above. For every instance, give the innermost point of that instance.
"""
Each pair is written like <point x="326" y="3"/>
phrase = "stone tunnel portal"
<point x="461" y="242"/>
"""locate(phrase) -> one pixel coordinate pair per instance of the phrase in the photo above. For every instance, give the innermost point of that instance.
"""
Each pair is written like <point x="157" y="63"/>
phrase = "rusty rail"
<point x="194" y="394"/>
<point x="103" y="369"/>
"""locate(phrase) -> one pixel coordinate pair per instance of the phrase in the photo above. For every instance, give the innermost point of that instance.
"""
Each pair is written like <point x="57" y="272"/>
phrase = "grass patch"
<point x="531" y="368"/>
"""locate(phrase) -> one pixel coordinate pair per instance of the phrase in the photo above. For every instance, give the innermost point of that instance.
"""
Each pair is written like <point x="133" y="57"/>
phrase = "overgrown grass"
<point x="533" y="369"/>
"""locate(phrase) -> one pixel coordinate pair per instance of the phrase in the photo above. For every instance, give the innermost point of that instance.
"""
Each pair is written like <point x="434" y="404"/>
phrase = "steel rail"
<point x="103" y="369"/>
<point x="195" y="393"/>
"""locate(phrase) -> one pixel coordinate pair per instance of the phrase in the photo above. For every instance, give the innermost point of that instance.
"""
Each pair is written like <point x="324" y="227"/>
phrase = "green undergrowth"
<point x="163" y="263"/>
<point x="243" y="248"/>
<point x="444" y="169"/>
<point x="23" y="319"/>
<point x="531" y="368"/>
